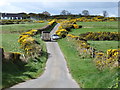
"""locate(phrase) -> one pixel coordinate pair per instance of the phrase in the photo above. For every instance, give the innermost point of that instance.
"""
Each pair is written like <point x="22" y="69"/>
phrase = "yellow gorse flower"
<point x="51" y="22"/>
<point x="76" y="26"/>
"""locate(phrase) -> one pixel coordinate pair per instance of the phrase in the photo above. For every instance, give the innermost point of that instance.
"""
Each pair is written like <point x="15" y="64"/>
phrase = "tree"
<point x="85" y="12"/>
<point x="79" y="14"/>
<point x="65" y="12"/>
<point x="33" y="16"/>
<point x="46" y="13"/>
<point x="105" y="13"/>
<point x="24" y="15"/>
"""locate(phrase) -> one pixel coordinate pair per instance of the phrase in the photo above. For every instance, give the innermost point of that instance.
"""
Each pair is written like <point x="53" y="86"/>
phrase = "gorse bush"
<point x="72" y="36"/>
<point x="101" y="36"/>
<point x="4" y="22"/>
<point x="95" y="19"/>
<point x="65" y="27"/>
<point x="102" y="60"/>
<point x="107" y="60"/>
<point x="29" y="44"/>
<point x="52" y="22"/>
<point x="31" y="48"/>
<point x="39" y="21"/>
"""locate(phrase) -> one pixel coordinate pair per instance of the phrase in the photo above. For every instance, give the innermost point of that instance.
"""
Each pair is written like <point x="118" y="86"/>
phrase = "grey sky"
<point x="56" y="7"/>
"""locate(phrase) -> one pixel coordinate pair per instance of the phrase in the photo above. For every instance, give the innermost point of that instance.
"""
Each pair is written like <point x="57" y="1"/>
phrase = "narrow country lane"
<point x="56" y="73"/>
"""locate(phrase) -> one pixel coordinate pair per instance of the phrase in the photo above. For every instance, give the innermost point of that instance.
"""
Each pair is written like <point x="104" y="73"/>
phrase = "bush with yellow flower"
<point x="29" y="45"/>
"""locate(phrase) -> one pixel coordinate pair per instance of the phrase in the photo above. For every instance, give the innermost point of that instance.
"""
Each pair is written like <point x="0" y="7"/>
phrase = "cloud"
<point x="57" y="7"/>
<point x="4" y="3"/>
<point x="8" y="7"/>
<point x="61" y="0"/>
<point x="112" y="15"/>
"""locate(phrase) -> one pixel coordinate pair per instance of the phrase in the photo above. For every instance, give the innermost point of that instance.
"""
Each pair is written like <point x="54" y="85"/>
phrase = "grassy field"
<point x="84" y="70"/>
<point x="13" y="28"/>
<point x="9" y="42"/>
<point x="96" y="27"/>
<point x="13" y="73"/>
<point x="104" y="45"/>
<point x="10" y="35"/>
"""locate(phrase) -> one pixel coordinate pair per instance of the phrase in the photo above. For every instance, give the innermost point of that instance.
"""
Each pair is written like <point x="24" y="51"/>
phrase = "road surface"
<point x="56" y="73"/>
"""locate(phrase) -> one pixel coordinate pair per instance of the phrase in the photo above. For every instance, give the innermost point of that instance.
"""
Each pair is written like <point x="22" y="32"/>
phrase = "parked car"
<point x="55" y="37"/>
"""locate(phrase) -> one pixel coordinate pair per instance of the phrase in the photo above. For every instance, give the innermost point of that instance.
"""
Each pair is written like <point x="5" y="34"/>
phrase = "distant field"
<point x="102" y="25"/>
<point x="96" y="27"/>
<point x="104" y="45"/>
<point x="13" y="28"/>
<point x="10" y="35"/>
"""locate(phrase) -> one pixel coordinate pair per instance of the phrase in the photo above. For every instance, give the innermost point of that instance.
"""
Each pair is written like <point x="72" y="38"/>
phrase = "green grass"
<point x="96" y="27"/>
<point x="13" y="73"/>
<point x="84" y="71"/>
<point x="9" y="42"/>
<point x="9" y="39"/>
<point x="102" y="25"/>
<point x="99" y="27"/>
<point x="104" y="45"/>
<point x="13" y="28"/>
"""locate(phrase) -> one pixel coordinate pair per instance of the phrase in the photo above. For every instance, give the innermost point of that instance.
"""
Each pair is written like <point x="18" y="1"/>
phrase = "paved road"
<point x="56" y="74"/>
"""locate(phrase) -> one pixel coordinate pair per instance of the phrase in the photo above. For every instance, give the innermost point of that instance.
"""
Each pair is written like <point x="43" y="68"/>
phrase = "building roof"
<point x="11" y="15"/>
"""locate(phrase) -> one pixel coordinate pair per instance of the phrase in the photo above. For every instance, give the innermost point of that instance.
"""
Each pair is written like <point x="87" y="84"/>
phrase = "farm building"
<point x="11" y="16"/>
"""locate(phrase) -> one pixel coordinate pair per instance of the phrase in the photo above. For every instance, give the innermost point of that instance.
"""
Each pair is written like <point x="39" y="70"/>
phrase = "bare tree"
<point x="65" y="12"/>
<point x="105" y="13"/>
<point x="85" y="12"/>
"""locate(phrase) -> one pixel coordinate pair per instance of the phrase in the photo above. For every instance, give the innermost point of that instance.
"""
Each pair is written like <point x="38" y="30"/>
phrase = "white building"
<point x="10" y="16"/>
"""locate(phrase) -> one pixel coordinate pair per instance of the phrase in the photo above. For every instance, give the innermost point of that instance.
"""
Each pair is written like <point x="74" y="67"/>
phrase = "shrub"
<point x="4" y="22"/>
<point x="101" y="36"/>
<point x="29" y="45"/>
<point x="51" y="22"/>
<point x="101" y="60"/>
<point x="62" y="32"/>
<point x="39" y="21"/>
<point x="75" y="26"/>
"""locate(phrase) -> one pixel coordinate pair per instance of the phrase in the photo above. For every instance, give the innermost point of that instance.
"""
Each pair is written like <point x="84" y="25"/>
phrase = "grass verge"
<point x="84" y="70"/>
<point x="13" y="73"/>
<point x="20" y="72"/>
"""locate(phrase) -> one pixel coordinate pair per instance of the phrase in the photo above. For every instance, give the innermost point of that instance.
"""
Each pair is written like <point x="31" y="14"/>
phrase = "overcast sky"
<point x="56" y="6"/>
